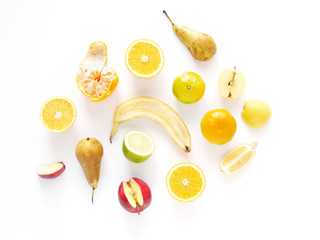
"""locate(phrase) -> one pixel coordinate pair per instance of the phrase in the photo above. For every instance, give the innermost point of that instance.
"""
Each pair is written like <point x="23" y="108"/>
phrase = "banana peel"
<point x="156" y="110"/>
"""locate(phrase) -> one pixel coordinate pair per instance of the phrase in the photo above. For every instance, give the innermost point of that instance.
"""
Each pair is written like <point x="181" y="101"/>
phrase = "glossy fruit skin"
<point x="188" y="88"/>
<point x="146" y="193"/>
<point x="218" y="126"/>
<point x="55" y="174"/>
<point x="256" y="113"/>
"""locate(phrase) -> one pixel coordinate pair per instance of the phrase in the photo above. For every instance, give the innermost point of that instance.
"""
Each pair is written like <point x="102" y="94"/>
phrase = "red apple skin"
<point x="55" y="174"/>
<point x="146" y="193"/>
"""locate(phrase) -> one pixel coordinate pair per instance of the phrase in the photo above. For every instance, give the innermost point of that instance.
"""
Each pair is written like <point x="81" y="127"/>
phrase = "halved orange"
<point x="185" y="182"/>
<point x="58" y="114"/>
<point x="95" y="80"/>
<point x="144" y="58"/>
<point x="238" y="157"/>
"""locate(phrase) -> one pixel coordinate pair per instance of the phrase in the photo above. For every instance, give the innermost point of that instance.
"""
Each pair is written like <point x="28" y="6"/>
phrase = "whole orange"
<point x="218" y="126"/>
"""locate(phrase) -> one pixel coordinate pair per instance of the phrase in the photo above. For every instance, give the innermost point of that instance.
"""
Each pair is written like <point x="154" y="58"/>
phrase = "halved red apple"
<point x="135" y="195"/>
<point x="51" y="171"/>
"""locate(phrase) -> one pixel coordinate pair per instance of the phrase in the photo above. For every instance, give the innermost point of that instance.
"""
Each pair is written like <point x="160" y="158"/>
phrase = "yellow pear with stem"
<point x="89" y="153"/>
<point x="201" y="45"/>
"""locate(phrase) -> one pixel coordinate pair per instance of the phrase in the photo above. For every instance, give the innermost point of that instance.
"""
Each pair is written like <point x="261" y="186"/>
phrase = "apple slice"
<point x="51" y="171"/>
<point x="231" y="83"/>
<point x="135" y="195"/>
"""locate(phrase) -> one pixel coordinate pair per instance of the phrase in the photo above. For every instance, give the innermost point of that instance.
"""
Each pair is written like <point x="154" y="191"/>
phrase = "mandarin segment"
<point x="98" y="85"/>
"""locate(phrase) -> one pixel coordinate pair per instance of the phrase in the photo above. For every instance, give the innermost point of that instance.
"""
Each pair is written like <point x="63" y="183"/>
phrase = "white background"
<point x="274" y="43"/>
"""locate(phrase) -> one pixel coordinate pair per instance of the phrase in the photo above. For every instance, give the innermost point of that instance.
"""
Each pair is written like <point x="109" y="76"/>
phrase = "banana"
<point x="156" y="110"/>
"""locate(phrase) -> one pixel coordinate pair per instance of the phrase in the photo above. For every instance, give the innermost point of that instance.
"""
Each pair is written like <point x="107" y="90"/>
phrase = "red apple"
<point x="135" y="195"/>
<point x="51" y="171"/>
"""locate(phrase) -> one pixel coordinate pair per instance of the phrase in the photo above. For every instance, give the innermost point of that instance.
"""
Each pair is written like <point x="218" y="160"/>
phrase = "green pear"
<point x="201" y="45"/>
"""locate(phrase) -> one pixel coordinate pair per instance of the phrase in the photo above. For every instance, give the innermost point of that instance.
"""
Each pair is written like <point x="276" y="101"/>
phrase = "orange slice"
<point x="238" y="157"/>
<point x="95" y="80"/>
<point x="185" y="182"/>
<point x="144" y="58"/>
<point x="58" y="114"/>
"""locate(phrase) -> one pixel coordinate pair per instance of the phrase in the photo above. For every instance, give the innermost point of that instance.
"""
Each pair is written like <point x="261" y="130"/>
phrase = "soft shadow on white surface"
<point x="274" y="197"/>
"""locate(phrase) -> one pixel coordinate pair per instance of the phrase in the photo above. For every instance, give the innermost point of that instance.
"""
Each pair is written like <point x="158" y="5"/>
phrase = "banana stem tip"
<point x="188" y="149"/>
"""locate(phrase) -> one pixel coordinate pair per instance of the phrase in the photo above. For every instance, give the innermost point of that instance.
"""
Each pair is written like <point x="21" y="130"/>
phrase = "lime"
<point x="188" y="87"/>
<point x="137" y="146"/>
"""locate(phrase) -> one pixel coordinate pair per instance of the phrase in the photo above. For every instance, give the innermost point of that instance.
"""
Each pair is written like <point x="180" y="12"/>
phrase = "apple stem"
<point x="234" y="72"/>
<point x="92" y="194"/>
<point x="164" y="11"/>
<point x="138" y="207"/>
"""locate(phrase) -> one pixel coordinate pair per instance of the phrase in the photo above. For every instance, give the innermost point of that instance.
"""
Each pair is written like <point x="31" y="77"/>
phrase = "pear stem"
<point x="164" y="11"/>
<point x="92" y="194"/>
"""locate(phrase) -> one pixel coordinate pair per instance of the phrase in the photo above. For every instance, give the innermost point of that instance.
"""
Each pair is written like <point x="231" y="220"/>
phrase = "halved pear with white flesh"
<point x="158" y="111"/>
<point x="231" y="83"/>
